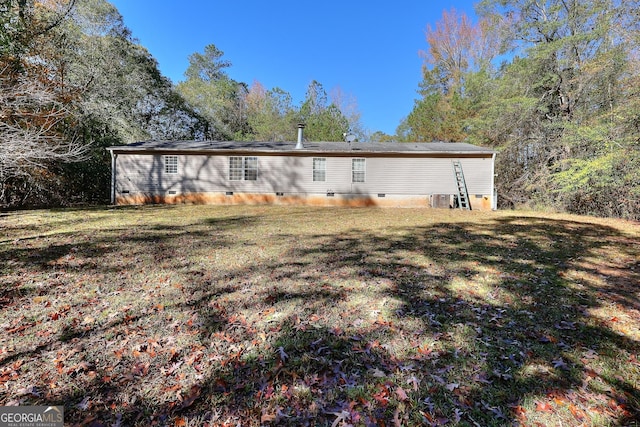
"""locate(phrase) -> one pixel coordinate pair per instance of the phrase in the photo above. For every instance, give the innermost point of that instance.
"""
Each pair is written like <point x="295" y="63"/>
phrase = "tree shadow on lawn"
<point x="530" y="335"/>
<point x="477" y="323"/>
<point x="56" y="255"/>
<point x="526" y="337"/>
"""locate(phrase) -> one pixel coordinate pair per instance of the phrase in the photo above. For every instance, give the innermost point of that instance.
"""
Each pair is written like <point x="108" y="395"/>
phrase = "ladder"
<point x="461" y="186"/>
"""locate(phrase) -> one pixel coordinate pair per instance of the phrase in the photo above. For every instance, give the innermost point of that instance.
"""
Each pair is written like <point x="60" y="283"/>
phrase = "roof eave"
<point x="139" y="150"/>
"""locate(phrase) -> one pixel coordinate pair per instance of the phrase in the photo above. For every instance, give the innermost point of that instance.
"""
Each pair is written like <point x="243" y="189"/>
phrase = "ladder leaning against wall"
<point x="461" y="186"/>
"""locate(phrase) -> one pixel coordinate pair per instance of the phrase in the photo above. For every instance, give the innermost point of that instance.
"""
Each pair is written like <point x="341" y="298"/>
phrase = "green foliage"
<point x="214" y="95"/>
<point x="561" y="110"/>
<point x="108" y="85"/>
<point x="124" y="98"/>
<point x="438" y="117"/>
<point x="208" y="66"/>
<point x="607" y="184"/>
<point x="11" y="27"/>
<point x="270" y="114"/>
<point x="380" y="136"/>
<point x="100" y="88"/>
<point x="324" y="121"/>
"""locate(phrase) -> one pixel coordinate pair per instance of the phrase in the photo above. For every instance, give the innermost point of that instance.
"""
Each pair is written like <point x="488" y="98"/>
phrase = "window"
<point x="236" y="169"/>
<point x="319" y="169"/>
<point x="358" y="168"/>
<point x="243" y="168"/>
<point x="171" y="164"/>
<point x="250" y="168"/>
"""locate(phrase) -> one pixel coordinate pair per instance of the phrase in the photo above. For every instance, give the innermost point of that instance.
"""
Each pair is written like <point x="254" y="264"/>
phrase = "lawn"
<point x="267" y="315"/>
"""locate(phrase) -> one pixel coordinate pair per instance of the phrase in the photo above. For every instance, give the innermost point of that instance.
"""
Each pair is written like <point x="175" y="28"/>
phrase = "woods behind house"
<point x="552" y="86"/>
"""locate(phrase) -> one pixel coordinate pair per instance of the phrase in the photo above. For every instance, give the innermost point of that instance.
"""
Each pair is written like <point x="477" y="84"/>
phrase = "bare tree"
<point x="32" y="123"/>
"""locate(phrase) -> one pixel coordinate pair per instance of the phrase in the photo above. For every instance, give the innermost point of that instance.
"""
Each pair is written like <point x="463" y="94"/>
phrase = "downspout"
<point x="494" y="194"/>
<point x="113" y="177"/>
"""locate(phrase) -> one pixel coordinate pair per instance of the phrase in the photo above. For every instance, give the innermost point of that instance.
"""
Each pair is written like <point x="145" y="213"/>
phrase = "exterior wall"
<point x="389" y="181"/>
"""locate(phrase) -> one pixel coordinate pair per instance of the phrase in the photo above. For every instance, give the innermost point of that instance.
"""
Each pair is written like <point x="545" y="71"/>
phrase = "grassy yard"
<point x="265" y="315"/>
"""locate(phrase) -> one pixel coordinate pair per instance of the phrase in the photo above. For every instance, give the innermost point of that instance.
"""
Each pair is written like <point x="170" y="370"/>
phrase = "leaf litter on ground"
<point x="199" y="315"/>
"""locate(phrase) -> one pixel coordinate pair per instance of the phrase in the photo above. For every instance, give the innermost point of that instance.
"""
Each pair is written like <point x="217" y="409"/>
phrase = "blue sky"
<point x="368" y="49"/>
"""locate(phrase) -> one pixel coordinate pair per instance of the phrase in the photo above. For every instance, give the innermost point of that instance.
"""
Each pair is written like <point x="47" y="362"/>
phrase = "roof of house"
<point x="309" y="147"/>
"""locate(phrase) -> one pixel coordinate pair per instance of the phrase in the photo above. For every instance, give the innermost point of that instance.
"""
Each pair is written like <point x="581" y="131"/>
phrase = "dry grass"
<point x="200" y="315"/>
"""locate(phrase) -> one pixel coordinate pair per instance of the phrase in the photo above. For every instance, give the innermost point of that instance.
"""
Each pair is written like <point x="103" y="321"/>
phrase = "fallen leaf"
<point x="396" y="418"/>
<point x="267" y="418"/>
<point x="378" y="373"/>
<point x="140" y="369"/>
<point x="194" y="393"/>
<point x="452" y="386"/>
<point x="520" y="412"/>
<point x="402" y="395"/>
<point x="283" y="356"/>
<point x="547" y="339"/>
<point x="564" y="325"/>
<point x="560" y="364"/>
<point x="576" y="412"/>
<point x="84" y="404"/>
<point x="544" y="407"/>
<point x="438" y="379"/>
<point x="457" y="416"/>
<point x="414" y="382"/>
<point x="381" y="398"/>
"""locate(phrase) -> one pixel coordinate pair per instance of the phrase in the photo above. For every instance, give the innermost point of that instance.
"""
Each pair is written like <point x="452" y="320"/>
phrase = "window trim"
<point x="170" y="164"/>
<point x="317" y="171"/>
<point x="362" y="172"/>
<point x="243" y="168"/>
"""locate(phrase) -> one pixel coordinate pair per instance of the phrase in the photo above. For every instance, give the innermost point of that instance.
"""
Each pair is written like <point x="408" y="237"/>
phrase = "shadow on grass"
<point x="480" y="322"/>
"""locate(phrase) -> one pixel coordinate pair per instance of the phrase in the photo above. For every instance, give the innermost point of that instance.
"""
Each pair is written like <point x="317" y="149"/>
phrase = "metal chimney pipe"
<point x="299" y="145"/>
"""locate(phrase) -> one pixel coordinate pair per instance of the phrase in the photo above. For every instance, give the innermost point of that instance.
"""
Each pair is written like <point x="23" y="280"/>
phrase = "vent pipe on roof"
<point x="299" y="145"/>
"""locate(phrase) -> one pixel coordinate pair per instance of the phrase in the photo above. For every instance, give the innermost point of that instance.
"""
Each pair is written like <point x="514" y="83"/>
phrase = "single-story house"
<point x="313" y="173"/>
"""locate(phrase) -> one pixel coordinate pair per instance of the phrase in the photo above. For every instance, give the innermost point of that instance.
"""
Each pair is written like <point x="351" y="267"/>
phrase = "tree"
<point x="124" y="96"/>
<point x="208" y="66"/>
<point x="123" y="86"/>
<point x="324" y="121"/>
<point x="438" y="117"/>
<point x="24" y="24"/>
<point x="271" y="114"/>
<point x="35" y="108"/>
<point x="33" y="118"/>
<point x="214" y="95"/>
<point x="458" y="49"/>
<point x="72" y="82"/>
<point x="272" y="117"/>
<point x="379" y="136"/>
<point x="348" y="106"/>
<point x="556" y="108"/>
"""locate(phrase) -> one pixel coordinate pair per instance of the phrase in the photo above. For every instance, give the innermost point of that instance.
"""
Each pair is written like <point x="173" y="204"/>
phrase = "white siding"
<point x="144" y="174"/>
<point x="477" y="175"/>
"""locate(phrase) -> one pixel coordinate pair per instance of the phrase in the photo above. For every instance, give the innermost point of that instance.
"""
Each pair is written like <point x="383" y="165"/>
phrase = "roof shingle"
<point x="311" y="147"/>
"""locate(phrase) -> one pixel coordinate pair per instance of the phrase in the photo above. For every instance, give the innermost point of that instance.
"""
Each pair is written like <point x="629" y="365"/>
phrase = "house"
<point x="313" y="173"/>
